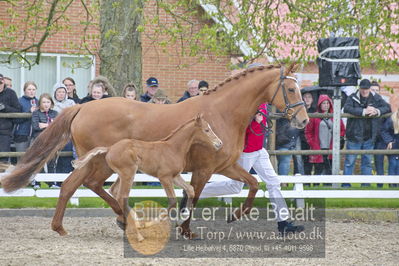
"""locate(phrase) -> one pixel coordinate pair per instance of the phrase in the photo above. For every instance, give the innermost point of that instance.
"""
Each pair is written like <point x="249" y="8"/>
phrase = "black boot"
<point x="286" y="227"/>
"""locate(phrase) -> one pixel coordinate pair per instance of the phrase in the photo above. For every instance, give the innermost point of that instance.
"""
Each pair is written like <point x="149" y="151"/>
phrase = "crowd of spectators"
<point x="19" y="133"/>
<point x="370" y="132"/>
<point x="367" y="132"/>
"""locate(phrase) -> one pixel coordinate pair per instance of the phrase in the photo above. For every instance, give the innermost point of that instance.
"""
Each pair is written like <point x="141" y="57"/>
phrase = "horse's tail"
<point x="6" y="167"/>
<point x="77" y="164"/>
<point x="43" y="149"/>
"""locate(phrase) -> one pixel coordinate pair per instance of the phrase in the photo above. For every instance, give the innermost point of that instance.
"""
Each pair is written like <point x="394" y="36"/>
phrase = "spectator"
<point x="379" y="142"/>
<point x="41" y="119"/>
<point x="307" y="166"/>
<point x="203" y="86"/>
<point x="191" y="91"/>
<point x="8" y="82"/>
<point x="8" y="104"/>
<point x="23" y="130"/>
<point x="160" y="97"/>
<point x="390" y="136"/>
<point x="152" y="87"/>
<point x="254" y="155"/>
<point x="361" y="132"/>
<point x="71" y="88"/>
<point x="130" y="91"/>
<point x="319" y="136"/>
<point x="108" y="89"/>
<point x="97" y="92"/>
<point x="61" y="100"/>
<point x="286" y="137"/>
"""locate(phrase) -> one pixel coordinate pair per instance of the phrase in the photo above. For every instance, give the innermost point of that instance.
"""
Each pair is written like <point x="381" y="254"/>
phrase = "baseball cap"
<point x="365" y="84"/>
<point x="152" y="82"/>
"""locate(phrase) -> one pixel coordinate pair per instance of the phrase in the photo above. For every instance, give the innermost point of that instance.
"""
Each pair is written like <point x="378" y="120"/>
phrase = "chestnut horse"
<point x="228" y="108"/>
<point x="164" y="159"/>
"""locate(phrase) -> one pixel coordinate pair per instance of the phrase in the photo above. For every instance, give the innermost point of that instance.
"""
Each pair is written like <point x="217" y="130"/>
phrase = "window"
<point x="52" y="68"/>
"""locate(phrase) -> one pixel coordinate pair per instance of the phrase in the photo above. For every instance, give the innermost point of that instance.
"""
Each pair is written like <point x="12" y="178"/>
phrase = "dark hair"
<point x="203" y="83"/>
<point x="129" y="87"/>
<point x="375" y="83"/>
<point x="70" y="79"/>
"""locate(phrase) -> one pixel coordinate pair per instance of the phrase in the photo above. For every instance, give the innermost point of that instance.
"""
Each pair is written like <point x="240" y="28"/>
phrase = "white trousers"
<point x="260" y="161"/>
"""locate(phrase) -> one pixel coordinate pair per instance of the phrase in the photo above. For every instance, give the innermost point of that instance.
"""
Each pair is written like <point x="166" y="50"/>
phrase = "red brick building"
<point x="60" y="51"/>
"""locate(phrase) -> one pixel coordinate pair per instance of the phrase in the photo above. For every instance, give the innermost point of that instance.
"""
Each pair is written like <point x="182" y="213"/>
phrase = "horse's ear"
<point x="291" y="68"/>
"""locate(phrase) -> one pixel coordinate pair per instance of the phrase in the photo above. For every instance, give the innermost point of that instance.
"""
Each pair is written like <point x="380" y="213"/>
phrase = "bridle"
<point x="289" y="111"/>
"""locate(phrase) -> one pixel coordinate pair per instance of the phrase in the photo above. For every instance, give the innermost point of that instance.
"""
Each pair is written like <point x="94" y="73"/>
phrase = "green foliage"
<point x="282" y="30"/>
<point x="269" y="27"/>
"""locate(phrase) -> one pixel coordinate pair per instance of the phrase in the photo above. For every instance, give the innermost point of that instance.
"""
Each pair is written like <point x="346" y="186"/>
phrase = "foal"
<point x="164" y="159"/>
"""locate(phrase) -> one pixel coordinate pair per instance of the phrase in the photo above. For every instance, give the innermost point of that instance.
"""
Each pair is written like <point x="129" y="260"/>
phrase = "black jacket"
<point x="185" y="96"/>
<point x="88" y="98"/>
<point x="286" y="135"/>
<point x="41" y="117"/>
<point x="8" y="99"/>
<point x="356" y="127"/>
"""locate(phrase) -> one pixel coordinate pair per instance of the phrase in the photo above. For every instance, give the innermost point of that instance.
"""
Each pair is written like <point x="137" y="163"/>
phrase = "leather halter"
<point x="289" y="111"/>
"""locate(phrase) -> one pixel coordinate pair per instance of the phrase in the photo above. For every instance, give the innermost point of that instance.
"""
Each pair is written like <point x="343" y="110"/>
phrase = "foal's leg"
<point x="68" y="187"/>
<point x="126" y="177"/>
<point x="96" y="181"/>
<point x="179" y="181"/>
<point x="167" y="184"/>
<point x="198" y="181"/>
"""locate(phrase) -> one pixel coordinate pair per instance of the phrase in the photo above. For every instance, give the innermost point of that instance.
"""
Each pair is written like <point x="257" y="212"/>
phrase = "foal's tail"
<point x="77" y="164"/>
<point x="43" y="149"/>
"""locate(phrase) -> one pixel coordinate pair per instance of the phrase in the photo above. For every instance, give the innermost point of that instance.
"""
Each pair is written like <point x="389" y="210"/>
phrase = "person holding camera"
<point x="361" y="132"/>
<point x="8" y="104"/>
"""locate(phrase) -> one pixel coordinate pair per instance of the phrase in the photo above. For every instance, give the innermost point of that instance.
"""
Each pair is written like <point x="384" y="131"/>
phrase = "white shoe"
<point x="54" y="186"/>
<point x="36" y="186"/>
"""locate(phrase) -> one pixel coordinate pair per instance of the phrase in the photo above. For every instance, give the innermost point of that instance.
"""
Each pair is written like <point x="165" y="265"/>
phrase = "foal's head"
<point x="205" y="134"/>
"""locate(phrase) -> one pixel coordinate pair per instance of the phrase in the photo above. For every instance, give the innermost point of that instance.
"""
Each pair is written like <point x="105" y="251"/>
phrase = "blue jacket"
<point x="388" y="135"/>
<point x="24" y="126"/>
<point x="185" y="96"/>
<point x="145" y="97"/>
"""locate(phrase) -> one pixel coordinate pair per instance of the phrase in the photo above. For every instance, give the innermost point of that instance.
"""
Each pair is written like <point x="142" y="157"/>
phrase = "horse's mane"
<point x="239" y="75"/>
<point x="177" y="129"/>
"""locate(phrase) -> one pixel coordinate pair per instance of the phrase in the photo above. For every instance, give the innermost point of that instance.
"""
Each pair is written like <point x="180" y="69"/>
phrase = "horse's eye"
<point x="291" y="90"/>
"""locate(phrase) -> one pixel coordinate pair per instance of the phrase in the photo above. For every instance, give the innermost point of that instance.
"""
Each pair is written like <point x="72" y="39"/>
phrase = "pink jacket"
<point x="312" y="131"/>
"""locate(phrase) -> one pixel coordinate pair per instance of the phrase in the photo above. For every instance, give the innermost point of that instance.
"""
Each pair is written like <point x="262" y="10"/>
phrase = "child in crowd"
<point x="130" y="91"/>
<point x="41" y="119"/>
<point x="96" y="92"/>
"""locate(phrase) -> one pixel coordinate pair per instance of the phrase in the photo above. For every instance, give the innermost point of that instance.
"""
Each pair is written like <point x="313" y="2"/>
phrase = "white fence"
<point x="298" y="192"/>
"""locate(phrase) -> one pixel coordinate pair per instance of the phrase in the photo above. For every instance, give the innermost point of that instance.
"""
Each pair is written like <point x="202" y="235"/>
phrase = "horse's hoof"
<point x="231" y="219"/>
<point x="61" y="231"/>
<point x="120" y="224"/>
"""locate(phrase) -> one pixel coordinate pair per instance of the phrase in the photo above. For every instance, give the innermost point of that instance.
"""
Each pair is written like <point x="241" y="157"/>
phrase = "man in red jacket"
<point x="254" y="155"/>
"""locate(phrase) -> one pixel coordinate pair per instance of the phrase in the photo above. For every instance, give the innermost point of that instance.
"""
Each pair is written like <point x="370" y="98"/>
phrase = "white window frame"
<point x="58" y="66"/>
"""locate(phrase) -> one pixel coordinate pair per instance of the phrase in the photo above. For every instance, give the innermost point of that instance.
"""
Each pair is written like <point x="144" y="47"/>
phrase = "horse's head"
<point x="206" y="133"/>
<point x="287" y="98"/>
